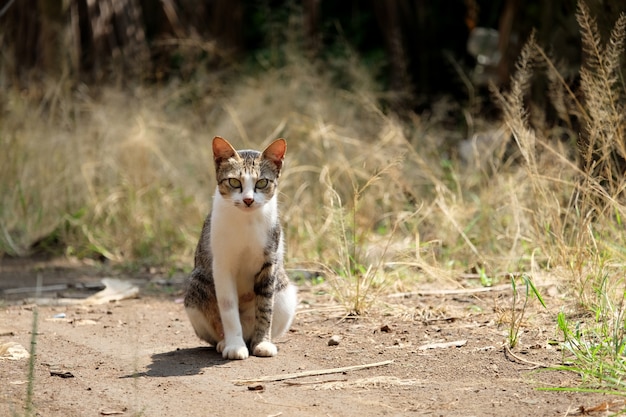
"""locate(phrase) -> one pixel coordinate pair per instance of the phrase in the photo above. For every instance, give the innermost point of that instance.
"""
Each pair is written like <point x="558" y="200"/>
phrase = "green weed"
<point x="30" y="387"/>
<point x="594" y="348"/>
<point x="517" y="315"/>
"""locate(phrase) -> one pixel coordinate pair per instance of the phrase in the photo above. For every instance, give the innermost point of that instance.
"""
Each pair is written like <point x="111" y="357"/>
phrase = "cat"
<point x="238" y="294"/>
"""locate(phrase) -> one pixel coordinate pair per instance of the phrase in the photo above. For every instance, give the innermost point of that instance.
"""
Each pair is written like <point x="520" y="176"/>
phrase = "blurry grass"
<point x="377" y="202"/>
<point x="30" y="387"/>
<point x="99" y="180"/>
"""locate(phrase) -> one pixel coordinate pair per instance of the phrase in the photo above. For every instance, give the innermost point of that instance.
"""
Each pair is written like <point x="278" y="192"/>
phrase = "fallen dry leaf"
<point x="13" y="351"/>
<point x="614" y="405"/>
<point x="115" y="290"/>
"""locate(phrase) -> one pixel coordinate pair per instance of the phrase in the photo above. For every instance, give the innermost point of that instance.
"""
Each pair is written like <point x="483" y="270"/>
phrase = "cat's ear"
<point x="223" y="150"/>
<point x="275" y="152"/>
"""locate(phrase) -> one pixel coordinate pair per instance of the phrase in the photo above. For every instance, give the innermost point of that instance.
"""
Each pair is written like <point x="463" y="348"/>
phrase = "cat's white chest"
<point x="239" y="238"/>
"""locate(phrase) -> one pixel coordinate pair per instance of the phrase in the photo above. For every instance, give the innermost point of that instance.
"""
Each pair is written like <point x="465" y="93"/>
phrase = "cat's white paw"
<point x="232" y="351"/>
<point x="265" y="349"/>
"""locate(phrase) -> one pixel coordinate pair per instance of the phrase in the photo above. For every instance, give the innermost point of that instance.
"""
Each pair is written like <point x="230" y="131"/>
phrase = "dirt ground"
<point x="140" y="356"/>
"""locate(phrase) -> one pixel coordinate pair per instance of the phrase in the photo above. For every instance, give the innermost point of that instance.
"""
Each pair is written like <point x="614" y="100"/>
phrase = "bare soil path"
<point x="140" y="357"/>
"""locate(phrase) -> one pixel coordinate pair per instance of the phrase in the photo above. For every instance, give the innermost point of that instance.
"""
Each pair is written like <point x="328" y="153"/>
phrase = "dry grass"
<point x="578" y="218"/>
<point x="101" y="177"/>
<point x="379" y="202"/>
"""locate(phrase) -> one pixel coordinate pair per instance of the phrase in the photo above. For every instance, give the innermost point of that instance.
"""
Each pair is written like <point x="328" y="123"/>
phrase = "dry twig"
<point x="535" y="365"/>
<point x="282" y="377"/>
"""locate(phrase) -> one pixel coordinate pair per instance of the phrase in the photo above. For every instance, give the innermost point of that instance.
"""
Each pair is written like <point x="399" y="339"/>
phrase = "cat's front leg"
<point x="233" y="345"/>
<point x="264" y="287"/>
<point x="261" y="343"/>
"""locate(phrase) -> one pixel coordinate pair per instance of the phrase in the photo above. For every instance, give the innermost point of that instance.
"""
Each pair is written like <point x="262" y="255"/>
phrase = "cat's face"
<point x="248" y="178"/>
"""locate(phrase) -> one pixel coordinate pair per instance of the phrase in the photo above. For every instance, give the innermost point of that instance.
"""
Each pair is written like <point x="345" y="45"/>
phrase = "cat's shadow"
<point x="181" y="362"/>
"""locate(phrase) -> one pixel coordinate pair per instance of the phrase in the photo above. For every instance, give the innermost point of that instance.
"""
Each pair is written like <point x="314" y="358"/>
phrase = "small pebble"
<point x="334" y="340"/>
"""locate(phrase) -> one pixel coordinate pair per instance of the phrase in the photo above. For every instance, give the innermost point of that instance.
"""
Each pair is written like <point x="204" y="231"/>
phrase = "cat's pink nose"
<point x="248" y="201"/>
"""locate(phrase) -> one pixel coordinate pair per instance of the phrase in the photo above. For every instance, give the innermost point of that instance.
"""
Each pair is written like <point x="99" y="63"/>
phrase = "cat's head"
<point x="248" y="178"/>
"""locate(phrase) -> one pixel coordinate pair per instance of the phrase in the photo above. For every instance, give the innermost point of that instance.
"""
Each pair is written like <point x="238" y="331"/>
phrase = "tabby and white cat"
<point x="238" y="294"/>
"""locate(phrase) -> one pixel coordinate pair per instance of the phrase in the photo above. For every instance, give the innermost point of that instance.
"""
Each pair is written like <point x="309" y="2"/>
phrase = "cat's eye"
<point x="234" y="182"/>
<point x="261" y="184"/>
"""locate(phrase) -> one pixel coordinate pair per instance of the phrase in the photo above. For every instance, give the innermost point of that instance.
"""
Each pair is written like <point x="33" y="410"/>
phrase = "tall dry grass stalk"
<point x="578" y="204"/>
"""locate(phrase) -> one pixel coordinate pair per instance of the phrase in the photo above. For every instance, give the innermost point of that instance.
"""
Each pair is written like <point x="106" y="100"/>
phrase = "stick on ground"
<point x="281" y="377"/>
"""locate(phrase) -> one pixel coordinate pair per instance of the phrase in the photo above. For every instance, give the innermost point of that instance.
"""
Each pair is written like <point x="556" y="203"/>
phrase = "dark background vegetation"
<point x="416" y="48"/>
